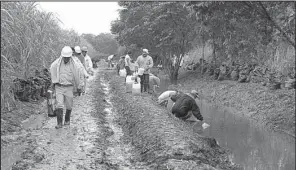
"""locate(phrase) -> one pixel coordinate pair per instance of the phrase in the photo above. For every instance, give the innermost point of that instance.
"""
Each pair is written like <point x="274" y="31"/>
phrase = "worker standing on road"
<point x="66" y="79"/>
<point x="88" y="62"/>
<point x="128" y="63"/>
<point x="110" y="59"/>
<point x="81" y="67"/>
<point x="81" y="58"/>
<point x="185" y="106"/>
<point x="145" y="62"/>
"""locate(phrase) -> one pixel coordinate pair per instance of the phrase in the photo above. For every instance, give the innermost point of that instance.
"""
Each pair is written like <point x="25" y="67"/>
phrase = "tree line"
<point x="238" y="31"/>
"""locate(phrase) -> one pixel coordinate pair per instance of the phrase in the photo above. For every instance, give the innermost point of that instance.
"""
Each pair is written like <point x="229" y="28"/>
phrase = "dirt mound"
<point x="161" y="139"/>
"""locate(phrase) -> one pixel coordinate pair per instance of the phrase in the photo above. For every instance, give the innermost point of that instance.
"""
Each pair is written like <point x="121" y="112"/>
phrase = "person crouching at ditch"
<point x="185" y="106"/>
<point x="66" y="79"/>
<point x="145" y="62"/>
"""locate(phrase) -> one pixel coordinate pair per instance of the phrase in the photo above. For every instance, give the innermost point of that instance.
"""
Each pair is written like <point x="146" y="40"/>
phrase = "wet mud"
<point x="113" y="130"/>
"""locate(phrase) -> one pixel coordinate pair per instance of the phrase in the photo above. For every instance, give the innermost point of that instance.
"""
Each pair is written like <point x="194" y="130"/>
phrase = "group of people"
<point x="144" y="62"/>
<point x="184" y="107"/>
<point x="69" y="73"/>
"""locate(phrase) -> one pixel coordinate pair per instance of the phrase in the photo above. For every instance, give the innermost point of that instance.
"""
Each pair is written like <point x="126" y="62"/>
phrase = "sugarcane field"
<point x="148" y="85"/>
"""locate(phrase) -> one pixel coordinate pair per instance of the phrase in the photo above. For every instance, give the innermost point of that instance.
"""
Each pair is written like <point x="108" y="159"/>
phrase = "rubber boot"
<point x="59" y="113"/>
<point x="67" y="117"/>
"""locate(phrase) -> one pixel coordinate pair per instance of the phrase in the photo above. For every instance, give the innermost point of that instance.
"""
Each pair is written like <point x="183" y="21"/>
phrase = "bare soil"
<point x="112" y="130"/>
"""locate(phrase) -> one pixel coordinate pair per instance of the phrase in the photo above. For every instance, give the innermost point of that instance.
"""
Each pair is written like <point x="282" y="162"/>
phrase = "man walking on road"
<point x="81" y="58"/>
<point x="145" y="62"/>
<point x="88" y="62"/>
<point x="66" y="79"/>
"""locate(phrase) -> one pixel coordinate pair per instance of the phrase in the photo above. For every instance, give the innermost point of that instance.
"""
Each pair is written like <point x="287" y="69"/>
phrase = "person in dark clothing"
<point x="185" y="106"/>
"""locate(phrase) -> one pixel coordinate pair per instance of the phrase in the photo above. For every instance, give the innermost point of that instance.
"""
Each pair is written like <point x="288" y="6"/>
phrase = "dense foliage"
<point x="104" y="43"/>
<point x="239" y="31"/>
<point x="30" y="39"/>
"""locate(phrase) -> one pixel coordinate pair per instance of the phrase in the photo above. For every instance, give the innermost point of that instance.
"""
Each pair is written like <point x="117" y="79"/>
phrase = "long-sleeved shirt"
<point x="183" y="105"/>
<point x="127" y="60"/>
<point x="88" y="63"/>
<point x="55" y="72"/>
<point x="81" y="67"/>
<point x="66" y="74"/>
<point x="145" y="62"/>
<point x="81" y="58"/>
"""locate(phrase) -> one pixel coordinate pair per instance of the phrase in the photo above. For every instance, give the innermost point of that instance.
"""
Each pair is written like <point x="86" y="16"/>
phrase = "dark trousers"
<point x="144" y="82"/>
<point x="128" y="72"/>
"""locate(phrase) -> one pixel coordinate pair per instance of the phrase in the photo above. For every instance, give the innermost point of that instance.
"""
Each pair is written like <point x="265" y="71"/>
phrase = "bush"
<point x="30" y="39"/>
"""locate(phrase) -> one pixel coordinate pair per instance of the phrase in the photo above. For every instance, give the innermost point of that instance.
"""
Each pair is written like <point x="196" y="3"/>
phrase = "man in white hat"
<point x="66" y="79"/>
<point x="185" y="106"/>
<point x="87" y="60"/>
<point x="78" y="54"/>
<point x="145" y="62"/>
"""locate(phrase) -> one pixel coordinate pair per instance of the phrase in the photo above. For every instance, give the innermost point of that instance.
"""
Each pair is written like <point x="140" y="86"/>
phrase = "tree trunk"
<point x="174" y="77"/>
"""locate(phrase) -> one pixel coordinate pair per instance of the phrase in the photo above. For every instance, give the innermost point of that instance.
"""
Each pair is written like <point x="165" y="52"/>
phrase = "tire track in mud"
<point x="92" y="141"/>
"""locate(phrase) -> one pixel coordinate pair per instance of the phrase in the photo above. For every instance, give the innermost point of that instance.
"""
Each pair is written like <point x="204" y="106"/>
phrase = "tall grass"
<point x="30" y="39"/>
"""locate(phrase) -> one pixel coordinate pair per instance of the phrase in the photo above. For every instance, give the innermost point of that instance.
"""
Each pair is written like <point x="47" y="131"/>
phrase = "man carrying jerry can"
<point x="66" y="79"/>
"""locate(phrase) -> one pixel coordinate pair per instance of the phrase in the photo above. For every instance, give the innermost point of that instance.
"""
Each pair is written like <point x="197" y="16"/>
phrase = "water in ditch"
<point x="253" y="147"/>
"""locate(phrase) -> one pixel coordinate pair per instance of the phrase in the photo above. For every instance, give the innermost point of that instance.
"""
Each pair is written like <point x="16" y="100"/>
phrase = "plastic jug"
<point x="136" y="88"/>
<point x="141" y="71"/>
<point x="122" y="73"/>
<point x="129" y="84"/>
<point x="129" y="79"/>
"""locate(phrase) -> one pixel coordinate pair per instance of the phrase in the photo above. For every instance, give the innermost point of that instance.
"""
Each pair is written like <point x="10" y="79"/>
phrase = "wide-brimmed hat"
<point x="66" y="52"/>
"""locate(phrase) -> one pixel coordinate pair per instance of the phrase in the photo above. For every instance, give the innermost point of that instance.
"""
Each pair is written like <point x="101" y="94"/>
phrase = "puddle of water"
<point x="252" y="147"/>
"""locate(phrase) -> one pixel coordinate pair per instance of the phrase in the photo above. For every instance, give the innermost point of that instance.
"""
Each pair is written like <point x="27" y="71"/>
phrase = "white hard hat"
<point x="66" y="52"/>
<point x="145" y="51"/>
<point x="77" y="49"/>
<point x="84" y="48"/>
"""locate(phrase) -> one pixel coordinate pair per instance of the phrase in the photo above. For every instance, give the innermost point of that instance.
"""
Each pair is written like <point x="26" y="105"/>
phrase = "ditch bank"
<point x="161" y="140"/>
<point x="273" y="109"/>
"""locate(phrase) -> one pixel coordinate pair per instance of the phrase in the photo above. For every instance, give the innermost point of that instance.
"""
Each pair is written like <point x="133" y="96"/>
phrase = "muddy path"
<point x="111" y="129"/>
<point x="92" y="141"/>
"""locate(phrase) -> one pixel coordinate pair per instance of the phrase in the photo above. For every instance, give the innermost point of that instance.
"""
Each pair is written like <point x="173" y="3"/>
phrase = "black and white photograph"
<point x="148" y="85"/>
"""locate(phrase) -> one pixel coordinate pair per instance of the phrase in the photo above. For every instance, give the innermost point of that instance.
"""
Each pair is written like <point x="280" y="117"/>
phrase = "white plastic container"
<point x="129" y="79"/>
<point x="129" y="84"/>
<point x="122" y="72"/>
<point x="136" y="88"/>
<point x="140" y="71"/>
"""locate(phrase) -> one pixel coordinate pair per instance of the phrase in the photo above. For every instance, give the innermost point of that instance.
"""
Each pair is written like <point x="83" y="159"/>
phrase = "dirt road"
<point x="92" y="141"/>
<point x="99" y="137"/>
